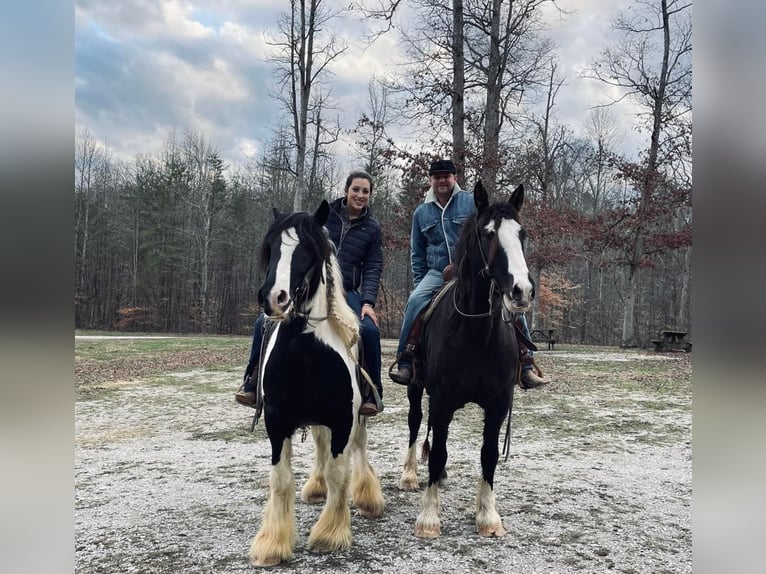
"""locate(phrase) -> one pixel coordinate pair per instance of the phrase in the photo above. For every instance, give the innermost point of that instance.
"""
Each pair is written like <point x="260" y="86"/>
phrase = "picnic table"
<point x="543" y="336"/>
<point x="672" y="340"/>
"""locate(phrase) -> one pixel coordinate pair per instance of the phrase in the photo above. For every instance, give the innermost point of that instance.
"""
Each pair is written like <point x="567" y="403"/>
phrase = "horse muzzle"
<point x="520" y="298"/>
<point x="278" y="305"/>
<point x="514" y="305"/>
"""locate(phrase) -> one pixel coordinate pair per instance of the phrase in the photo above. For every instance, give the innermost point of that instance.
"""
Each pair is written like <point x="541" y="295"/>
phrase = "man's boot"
<point x="529" y="379"/>
<point x="404" y="372"/>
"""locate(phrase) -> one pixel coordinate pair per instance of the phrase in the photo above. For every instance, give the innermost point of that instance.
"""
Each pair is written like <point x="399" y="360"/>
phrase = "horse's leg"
<point x="333" y="529"/>
<point x="365" y="486"/>
<point x="409" y="479"/>
<point x="276" y="538"/>
<point x="488" y="522"/>
<point x="428" y="524"/>
<point x="315" y="489"/>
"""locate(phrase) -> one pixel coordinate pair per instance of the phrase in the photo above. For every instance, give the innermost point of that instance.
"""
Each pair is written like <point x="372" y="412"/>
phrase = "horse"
<point x="309" y="374"/>
<point x="468" y="348"/>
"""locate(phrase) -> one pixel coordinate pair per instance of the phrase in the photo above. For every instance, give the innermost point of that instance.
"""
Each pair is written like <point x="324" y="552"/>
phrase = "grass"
<point x="103" y="363"/>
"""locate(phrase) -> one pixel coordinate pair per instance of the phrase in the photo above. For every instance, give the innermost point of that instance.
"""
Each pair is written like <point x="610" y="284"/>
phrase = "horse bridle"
<point x="493" y="285"/>
<point x="297" y="297"/>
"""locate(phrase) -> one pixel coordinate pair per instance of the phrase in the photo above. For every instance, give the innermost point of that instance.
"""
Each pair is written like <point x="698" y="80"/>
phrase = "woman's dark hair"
<point x="360" y="173"/>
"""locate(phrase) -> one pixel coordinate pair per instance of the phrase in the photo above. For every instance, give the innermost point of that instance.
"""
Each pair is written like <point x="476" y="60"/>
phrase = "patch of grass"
<point x="103" y="361"/>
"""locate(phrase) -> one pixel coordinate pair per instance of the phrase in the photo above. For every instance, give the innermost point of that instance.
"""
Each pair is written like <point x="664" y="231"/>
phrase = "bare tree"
<point x="305" y="47"/>
<point x="458" y="89"/>
<point x="471" y="63"/>
<point x="652" y="65"/>
<point x="86" y="158"/>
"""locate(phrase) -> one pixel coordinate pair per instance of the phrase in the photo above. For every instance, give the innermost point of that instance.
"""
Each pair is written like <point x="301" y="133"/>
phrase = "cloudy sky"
<point x="145" y="67"/>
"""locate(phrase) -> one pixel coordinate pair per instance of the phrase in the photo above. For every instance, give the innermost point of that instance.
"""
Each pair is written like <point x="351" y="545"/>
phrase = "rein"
<point x="492" y="283"/>
<point x="489" y="313"/>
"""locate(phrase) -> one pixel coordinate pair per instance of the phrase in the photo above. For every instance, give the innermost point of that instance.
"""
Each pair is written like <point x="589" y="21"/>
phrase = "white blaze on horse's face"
<point x="279" y="296"/>
<point x="509" y="238"/>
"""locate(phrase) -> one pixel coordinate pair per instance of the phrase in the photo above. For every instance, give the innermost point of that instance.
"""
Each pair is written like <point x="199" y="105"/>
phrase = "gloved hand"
<point x="449" y="272"/>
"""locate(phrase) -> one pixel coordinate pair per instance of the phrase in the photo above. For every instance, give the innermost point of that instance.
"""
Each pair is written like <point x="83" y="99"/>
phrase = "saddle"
<point x="414" y="338"/>
<point x="414" y="342"/>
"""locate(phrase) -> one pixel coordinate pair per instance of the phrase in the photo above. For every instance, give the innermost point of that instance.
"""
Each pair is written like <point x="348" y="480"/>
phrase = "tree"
<point x="652" y="65"/>
<point x="302" y="57"/>
<point x="471" y="65"/>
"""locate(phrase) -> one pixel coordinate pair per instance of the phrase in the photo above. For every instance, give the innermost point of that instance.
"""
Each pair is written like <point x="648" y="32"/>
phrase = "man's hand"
<point x="369" y="312"/>
<point x="448" y="272"/>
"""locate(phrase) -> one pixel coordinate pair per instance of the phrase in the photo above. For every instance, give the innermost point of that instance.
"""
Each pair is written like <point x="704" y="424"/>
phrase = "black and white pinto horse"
<point x="309" y="374"/>
<point x="469" y="347"/>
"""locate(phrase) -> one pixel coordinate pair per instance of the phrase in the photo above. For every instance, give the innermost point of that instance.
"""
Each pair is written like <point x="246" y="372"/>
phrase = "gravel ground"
<point x="170" y="479"/>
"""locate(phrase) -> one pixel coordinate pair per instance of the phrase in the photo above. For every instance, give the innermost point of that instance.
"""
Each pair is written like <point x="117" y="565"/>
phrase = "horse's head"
<point x="500" y="238"/>
<point x="293" y="255"/>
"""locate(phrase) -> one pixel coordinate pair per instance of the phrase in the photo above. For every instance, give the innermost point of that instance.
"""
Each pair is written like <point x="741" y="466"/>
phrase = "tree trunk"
<point x="647" y="186"/>
<point x="491" y="161"/>
<point x="683" y="310"/>
<point x="458" y="88"/>
<point x="628" y="316"/>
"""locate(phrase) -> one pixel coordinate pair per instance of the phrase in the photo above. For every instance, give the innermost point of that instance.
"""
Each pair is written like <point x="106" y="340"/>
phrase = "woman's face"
<point x="357" y="195"/>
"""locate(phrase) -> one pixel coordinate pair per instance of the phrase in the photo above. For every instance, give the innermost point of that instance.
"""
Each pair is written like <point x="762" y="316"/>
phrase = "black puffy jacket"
<point x="360" y="249"/>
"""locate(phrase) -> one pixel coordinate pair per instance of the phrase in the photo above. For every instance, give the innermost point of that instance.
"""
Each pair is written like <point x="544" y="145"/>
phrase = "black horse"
<point x="309" y="373"/>
<point x="469" y="349"/>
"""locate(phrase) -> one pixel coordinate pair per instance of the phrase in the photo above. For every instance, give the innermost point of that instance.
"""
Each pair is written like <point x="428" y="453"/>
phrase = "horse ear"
<point x="320" y="215"/>
<point x="276" y="213"/>
<point x="517" y="197"/>
<point x="480" y="197"/>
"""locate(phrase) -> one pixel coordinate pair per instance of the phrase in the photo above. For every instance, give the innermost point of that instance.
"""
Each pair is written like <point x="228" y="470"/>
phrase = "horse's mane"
<point x="310" y="233"/>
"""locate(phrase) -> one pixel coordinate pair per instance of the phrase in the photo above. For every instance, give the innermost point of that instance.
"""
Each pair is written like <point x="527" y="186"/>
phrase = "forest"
<point x="169" y="242"/>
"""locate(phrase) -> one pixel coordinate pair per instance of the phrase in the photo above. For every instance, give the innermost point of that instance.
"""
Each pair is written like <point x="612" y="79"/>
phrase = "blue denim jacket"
<point x="435" y="231"/>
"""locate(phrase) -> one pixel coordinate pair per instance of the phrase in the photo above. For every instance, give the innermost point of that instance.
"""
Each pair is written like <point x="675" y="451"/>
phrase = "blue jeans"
<point x="370" y="344"/>
<point x="419" y="299"/>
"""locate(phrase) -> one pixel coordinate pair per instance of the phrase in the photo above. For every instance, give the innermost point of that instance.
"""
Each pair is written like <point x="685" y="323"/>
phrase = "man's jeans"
<point x="418" y="300"/>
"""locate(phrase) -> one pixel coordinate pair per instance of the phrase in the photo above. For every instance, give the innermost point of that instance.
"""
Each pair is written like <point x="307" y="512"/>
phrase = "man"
<point x="436" y="226"/>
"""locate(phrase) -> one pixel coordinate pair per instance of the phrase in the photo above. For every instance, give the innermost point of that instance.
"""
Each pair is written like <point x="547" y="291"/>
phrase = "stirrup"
<point x="371" y="390"/>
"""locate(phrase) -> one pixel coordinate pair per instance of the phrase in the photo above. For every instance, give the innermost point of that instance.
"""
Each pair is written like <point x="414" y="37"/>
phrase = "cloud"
<point x="146" y="67"/>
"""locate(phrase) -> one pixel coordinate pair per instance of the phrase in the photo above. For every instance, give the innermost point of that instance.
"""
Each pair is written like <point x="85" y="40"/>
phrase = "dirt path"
<point x="169" y="479"/>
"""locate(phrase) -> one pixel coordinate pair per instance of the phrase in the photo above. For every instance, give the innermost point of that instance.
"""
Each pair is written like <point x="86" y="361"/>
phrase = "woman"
<point x="358" y="240"/>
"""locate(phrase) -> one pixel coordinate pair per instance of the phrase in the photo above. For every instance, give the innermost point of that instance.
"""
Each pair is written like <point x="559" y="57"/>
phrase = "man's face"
<point x="443" y="182"/>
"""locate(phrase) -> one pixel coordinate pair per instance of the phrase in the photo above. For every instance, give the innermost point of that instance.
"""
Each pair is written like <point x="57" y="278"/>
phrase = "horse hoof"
<point x="264" y="562"/>
<point x="313" y="499"/>
<point x="428" y="531"/>
<point x="323" y="546"/>
<point x="409" y="484"/>
<point x="371" y="510"/>
<point x="314" y="491"/>
<point x="491" y="530"/>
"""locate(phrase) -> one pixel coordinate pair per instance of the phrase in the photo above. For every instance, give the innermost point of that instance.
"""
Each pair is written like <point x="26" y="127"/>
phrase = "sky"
<point x="146" y="67"/>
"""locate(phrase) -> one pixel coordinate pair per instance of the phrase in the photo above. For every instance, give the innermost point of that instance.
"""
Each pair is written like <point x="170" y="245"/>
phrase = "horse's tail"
<point x="425" y="451"/>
